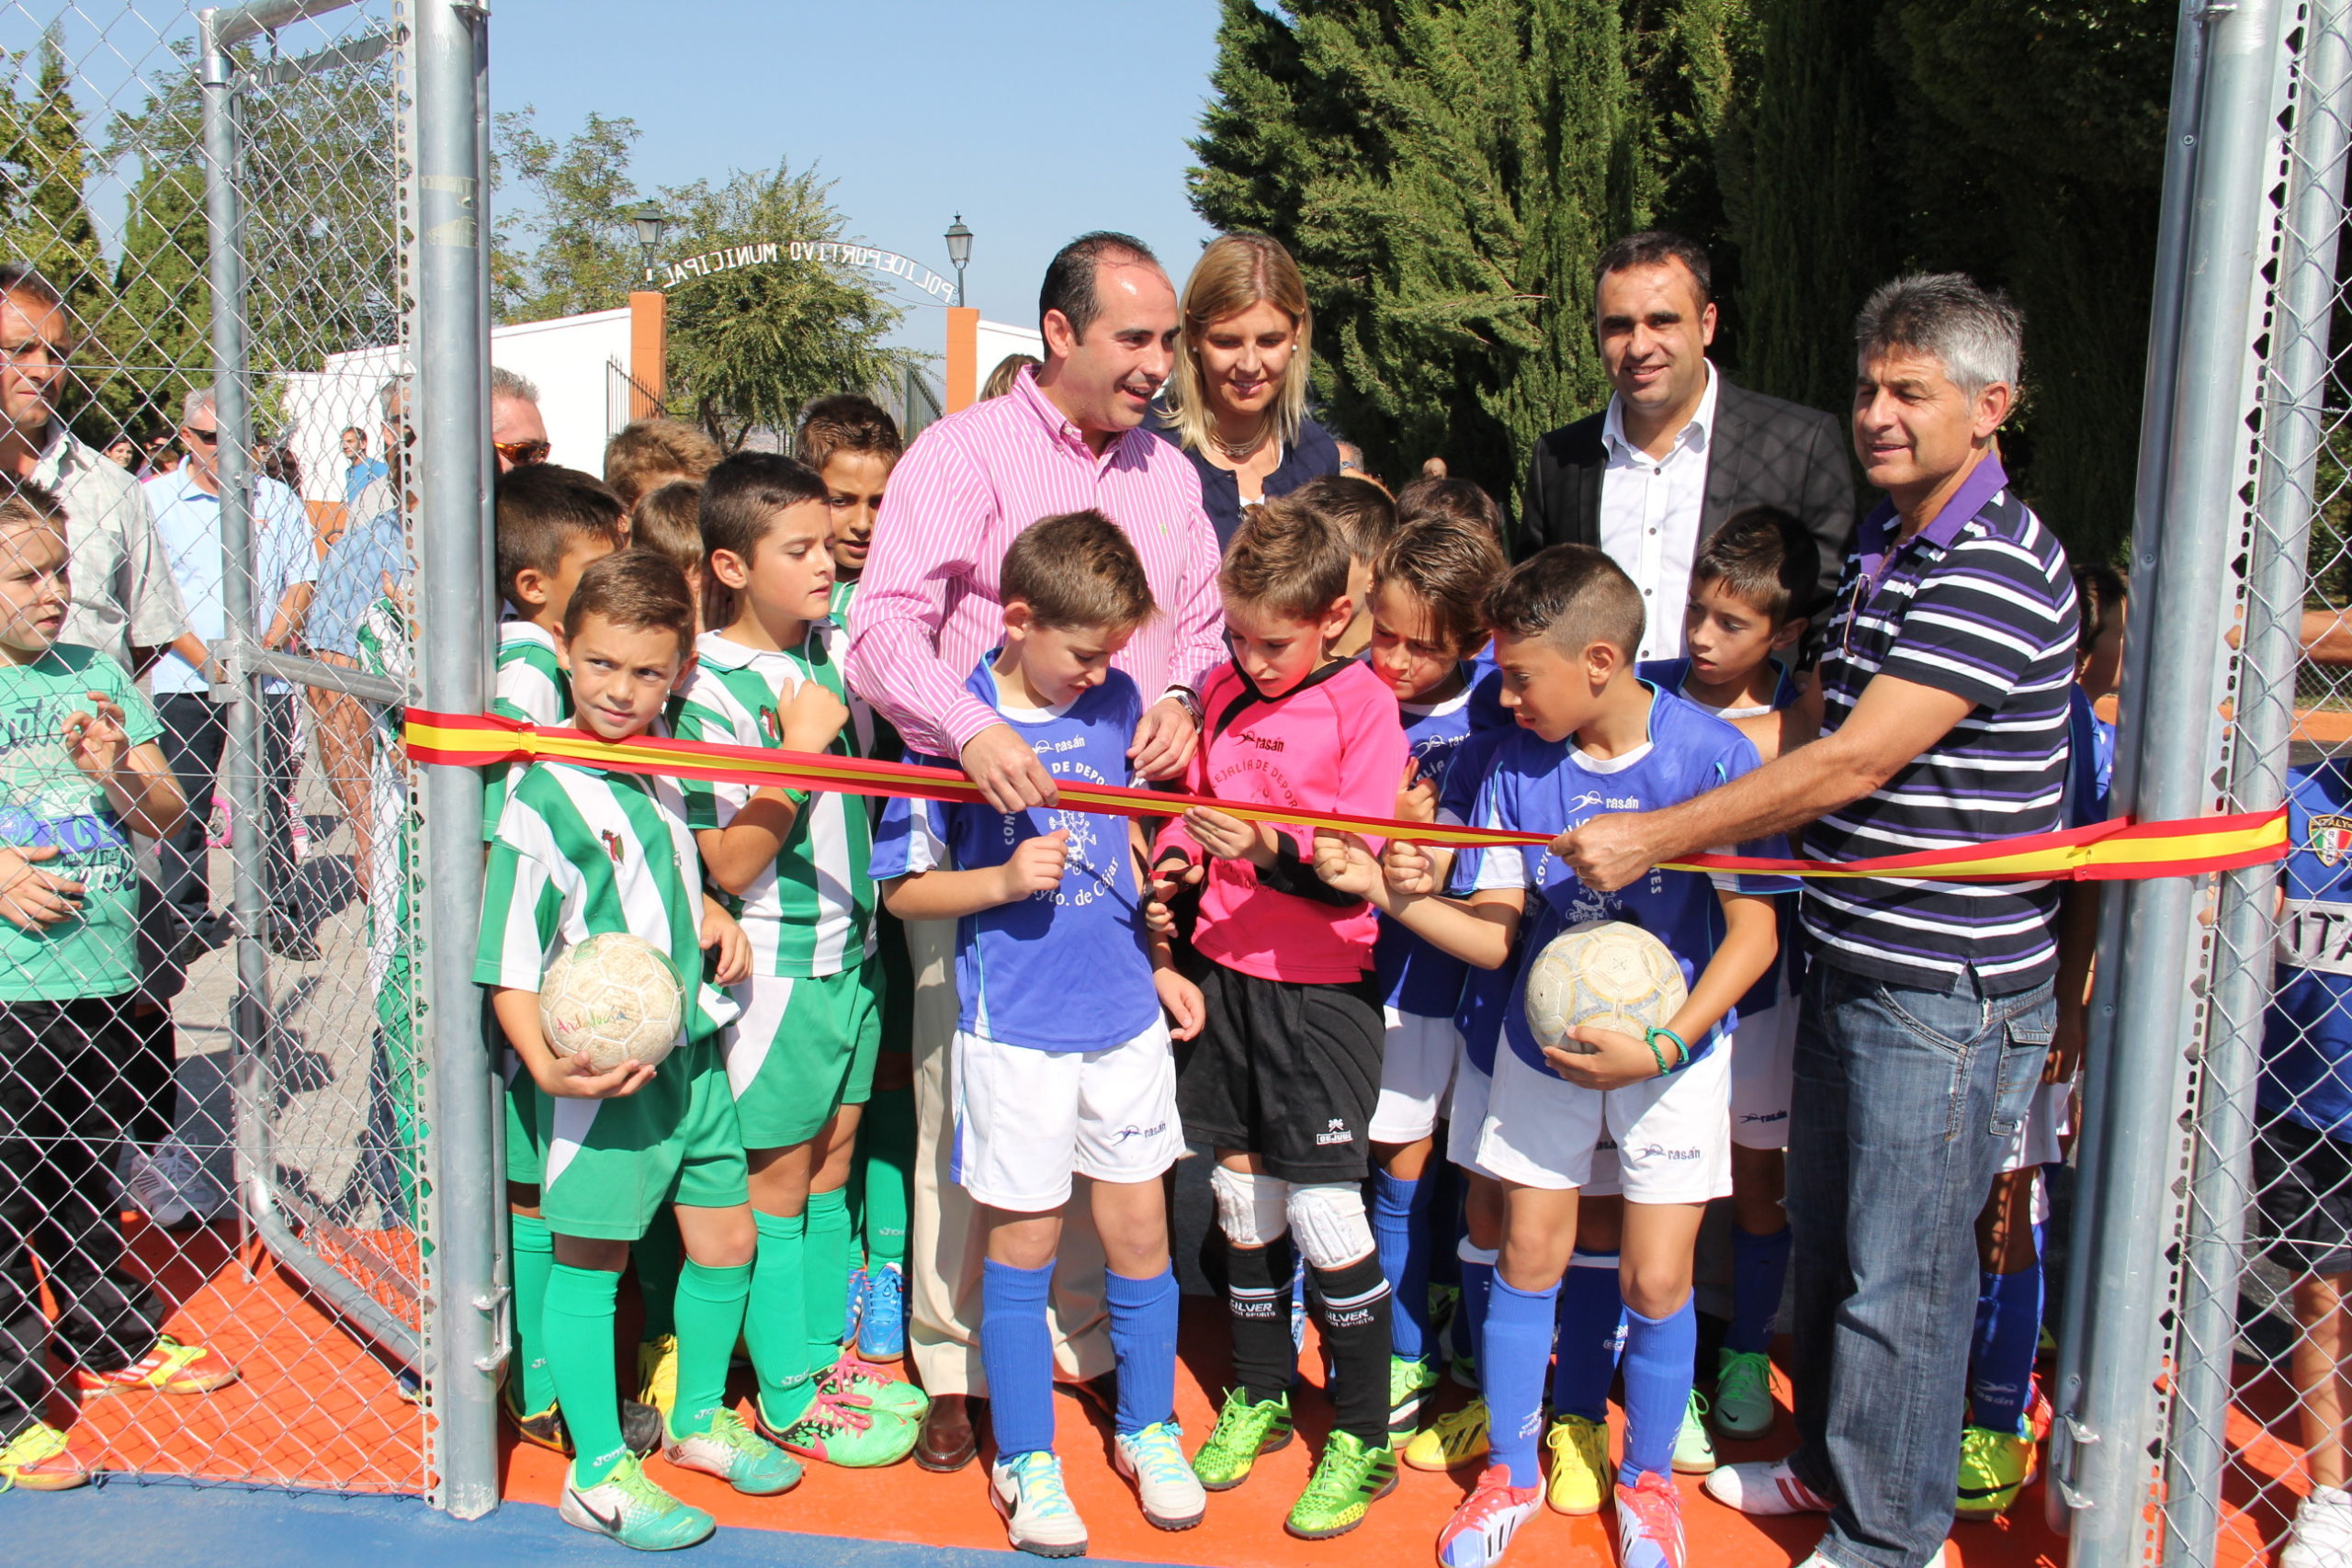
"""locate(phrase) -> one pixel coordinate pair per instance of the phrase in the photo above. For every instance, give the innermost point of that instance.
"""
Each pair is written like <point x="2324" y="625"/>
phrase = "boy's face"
<point x="1408" y="650"/>
<point x="1728" y="637"/>
<point x="620" y="675"/>
<point x="554" y="589"/>
<point x="1275" y="651"/>
<point x="1061" y="662"/>
<point x="790" y="574"/>
<point x="853" y="485"/>
<point x="1553" y="692"/>
<point x="2102" y="668"/>
<point x="34" y="589"/>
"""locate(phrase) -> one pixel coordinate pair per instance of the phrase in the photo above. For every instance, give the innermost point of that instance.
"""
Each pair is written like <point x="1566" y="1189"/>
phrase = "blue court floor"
<point x="119" y="1525"/>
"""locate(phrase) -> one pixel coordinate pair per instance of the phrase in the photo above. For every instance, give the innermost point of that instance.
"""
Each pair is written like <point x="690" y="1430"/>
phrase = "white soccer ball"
<point x="613" y="998"/>
<point x="1605" y="974"/>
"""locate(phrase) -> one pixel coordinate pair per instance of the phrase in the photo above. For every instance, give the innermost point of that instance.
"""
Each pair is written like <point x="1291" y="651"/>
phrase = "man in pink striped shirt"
<point x="1065" y="439"/>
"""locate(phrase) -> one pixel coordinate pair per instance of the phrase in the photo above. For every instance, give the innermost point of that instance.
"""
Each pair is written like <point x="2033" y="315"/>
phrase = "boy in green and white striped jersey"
<point x="795" y="867"/>
<point x="580" y="851"/>
<point x="552" y="524"/>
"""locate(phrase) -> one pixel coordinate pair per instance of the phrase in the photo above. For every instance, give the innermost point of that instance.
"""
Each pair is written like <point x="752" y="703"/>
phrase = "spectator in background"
<point x="125" y="604"/>
<point x="1001" y="379"/>
<point x="518" y="435"/>
<point x="1351" y="462"/>
<point x="1238" y="405"/>
<point x="161" y="456"/>
<point x="123" y="451"/>
<point x="186" y="508"/>
<point x="667" y="520"/>
<point x="1679" y="448"/>
<point x="360" y="470"/>
<point x="646" y="453"/>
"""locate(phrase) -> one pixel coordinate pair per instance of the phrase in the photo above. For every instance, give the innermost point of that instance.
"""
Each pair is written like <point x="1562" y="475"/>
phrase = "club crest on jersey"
<point x="612" y="844"/>
<point x="771" y="726"/>
<point x="2330" y="838"/>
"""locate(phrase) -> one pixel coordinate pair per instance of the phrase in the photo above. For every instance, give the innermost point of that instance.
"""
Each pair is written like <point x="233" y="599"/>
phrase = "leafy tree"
<point x="159" y="327"/>
<point x="49" y="223"/>
<point x="583" y="252"/>
<point x="1446" y="172"/>
<point x="751" y="345"/>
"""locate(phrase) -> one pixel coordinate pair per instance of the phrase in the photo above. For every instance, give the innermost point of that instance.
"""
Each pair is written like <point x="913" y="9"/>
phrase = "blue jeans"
<point x="1906" y="1101"/>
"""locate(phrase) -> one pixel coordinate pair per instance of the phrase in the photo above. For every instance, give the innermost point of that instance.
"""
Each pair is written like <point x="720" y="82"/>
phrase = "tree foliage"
<point x="748" y="346"/>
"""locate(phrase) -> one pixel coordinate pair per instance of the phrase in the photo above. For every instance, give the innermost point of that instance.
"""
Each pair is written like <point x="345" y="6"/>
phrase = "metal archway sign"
<point x="832" y="253"/>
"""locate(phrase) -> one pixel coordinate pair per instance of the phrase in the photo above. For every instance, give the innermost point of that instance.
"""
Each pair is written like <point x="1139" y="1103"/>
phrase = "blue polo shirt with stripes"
<point x="1980" y="604"/>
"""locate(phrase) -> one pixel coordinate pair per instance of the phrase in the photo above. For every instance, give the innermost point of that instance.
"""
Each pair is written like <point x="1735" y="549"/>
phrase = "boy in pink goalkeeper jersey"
<point x="1286" y="1074"/>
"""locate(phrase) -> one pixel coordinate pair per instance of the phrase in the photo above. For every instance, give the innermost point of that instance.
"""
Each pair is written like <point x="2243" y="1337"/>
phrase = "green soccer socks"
<point x="777" y="1324"/>
<point x="710" y="1318"/>
<point x="578" y="1318"/>
<point x="886" y="1159"/>
<point x="825" y="1266"/>
<point x="529" y="1258"/>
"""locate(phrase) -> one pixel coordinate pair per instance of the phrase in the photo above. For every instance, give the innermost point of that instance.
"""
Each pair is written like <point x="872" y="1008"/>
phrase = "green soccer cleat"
<point x="1993" y="1468"/>
<point x="1457" y="1438"/>
<point x="737" y="1455"/>
<point x="627" y="1507"/>
<point x="1348" y="1480"/>
<point x="1742" y="1406"/>
<point x="1243" y="1432"/>
<point x="845" y="1430"/>
<point x="1694" y="1450"/>
<point x="1411" y="1378"/>
<point x="862" y="1378"/>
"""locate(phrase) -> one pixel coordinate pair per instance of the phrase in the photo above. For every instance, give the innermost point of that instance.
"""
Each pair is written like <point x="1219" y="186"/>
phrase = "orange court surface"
<point x="315" y="1409"/>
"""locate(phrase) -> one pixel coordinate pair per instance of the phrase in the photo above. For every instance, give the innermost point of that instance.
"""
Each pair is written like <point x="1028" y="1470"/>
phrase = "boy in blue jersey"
<point x="1429" y="589"/>
<point x="1063" y="1060"/>
<point x="1593" y="738"/>
<point x="1750" y="587"/>
<point x="2302" y="1151"/>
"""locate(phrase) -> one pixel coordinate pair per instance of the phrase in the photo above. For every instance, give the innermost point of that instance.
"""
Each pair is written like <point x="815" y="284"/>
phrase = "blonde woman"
<point x="1237" y="403"/>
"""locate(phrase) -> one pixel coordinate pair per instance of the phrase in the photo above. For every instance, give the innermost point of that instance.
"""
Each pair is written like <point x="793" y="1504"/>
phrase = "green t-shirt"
<point x="45" y="800"/>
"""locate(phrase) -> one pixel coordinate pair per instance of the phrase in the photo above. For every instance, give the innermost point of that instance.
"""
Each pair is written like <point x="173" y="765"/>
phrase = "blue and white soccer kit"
<point x="1062" y="1057"/>
<point x="1672" y="1132"/>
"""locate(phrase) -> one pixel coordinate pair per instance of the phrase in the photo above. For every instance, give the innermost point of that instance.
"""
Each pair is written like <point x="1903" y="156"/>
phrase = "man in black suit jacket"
<point x="1655" y="318"/>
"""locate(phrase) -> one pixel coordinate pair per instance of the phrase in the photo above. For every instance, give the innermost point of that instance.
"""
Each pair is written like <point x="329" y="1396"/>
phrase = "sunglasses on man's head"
<point x="523" y="454"/>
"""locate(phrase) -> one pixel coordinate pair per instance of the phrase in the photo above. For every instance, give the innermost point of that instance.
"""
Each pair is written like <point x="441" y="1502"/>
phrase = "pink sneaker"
<point x="1649" y="1523"/>
<point x="1482" y="1527"/>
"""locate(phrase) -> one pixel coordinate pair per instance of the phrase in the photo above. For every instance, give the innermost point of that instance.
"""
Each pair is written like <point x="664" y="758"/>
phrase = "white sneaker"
<point x="191" y="1183"/>
<point x="2321" y="1534"/>
<point x="1038" y="1516"/>
<point x="1171" y="1495"/>
<point x="146" y="1185"/>
<point x="1763" y="1488"/>
<point x="1817" y="1561"/>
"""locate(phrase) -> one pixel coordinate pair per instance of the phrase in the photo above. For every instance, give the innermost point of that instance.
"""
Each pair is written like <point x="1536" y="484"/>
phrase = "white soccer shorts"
<point x="1466" y="1115"/>
<point x="1416" y="1074"/>
<point x="1673" y="1133"/>
<point x="1763" y="1076"/>
<point x="1026" y="1119"/>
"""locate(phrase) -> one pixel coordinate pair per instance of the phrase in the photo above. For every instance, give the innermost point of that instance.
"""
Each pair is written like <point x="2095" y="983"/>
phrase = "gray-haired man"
<point x="1929" y="1010"/>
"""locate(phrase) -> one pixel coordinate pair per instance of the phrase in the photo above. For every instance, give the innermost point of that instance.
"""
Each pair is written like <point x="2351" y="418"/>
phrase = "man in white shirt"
<point x="186" y="506"/>
<point x="1679" y="448"/>
<point x="125" y="604"/>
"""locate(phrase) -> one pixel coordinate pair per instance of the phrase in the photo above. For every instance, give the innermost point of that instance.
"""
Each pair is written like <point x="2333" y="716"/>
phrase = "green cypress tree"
<point x="160" y="329"/>
<point x="1445" y="171"/>
<point x="53" y="227"/>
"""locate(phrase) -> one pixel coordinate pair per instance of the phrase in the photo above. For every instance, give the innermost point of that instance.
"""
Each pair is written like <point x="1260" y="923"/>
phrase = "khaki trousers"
<point x="945" y="1243"/>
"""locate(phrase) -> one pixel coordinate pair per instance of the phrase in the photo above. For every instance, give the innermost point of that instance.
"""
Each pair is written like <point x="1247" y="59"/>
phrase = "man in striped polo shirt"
<point x="1929" y="1010"/>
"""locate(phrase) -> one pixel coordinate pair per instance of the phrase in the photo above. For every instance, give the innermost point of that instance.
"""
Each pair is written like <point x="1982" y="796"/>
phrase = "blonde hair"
<point x="1234" y="273"/>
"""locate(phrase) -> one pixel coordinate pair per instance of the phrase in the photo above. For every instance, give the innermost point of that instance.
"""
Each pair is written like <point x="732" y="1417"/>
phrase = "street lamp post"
<point x="959" y="253"/>
<point x="651" y="223"/>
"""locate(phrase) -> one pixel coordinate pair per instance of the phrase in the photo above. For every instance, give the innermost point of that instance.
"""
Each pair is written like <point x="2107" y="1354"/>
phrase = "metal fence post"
<point x="2170" y="718"/>
<point x="448" y="414"/>
<point x="2294" y="428"/>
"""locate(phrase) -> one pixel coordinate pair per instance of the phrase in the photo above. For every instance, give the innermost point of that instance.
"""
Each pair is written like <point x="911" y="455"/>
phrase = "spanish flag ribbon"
<point x="2104" y="851"/>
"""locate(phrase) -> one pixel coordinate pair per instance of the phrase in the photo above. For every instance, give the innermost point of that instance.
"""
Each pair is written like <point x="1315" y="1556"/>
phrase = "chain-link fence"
<point x="216" y="1166"/>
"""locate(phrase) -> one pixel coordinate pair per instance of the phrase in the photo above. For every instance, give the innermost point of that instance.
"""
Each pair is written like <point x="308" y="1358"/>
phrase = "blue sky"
<point x="1037" y="119"/>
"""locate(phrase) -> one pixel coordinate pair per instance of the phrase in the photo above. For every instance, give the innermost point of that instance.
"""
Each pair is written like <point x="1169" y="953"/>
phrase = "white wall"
<point x="996" y="340"/>
<point x="566" y="357"/>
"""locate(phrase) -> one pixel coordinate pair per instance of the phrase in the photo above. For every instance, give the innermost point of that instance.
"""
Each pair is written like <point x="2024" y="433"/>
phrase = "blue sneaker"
<point x="882" y="1317"/>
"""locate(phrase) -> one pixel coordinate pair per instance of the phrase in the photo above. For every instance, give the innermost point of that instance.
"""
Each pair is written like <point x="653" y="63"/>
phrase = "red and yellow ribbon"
<point x="2106" y="852"/>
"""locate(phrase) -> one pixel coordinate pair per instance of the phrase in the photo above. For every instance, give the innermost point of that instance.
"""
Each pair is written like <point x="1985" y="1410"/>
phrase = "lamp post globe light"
<point x="959" y="253"/>
<point x="651" y="223"/>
